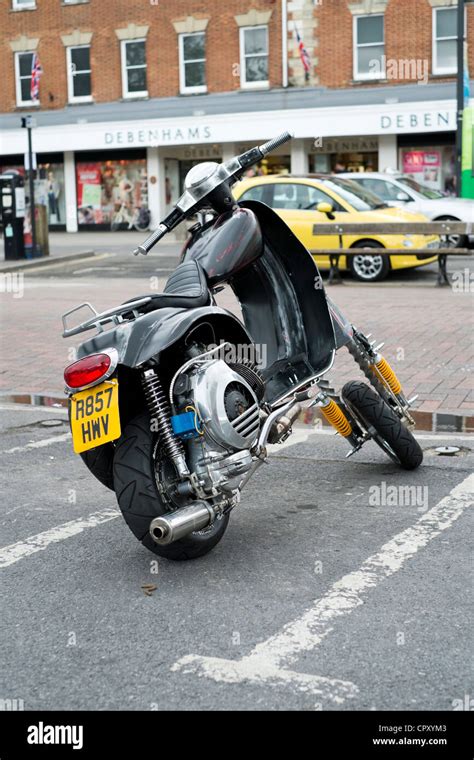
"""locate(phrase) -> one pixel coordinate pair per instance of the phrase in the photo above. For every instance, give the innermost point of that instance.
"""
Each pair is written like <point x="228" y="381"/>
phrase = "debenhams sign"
<point x="158" y="136"/>
<point x="405" y="122"/>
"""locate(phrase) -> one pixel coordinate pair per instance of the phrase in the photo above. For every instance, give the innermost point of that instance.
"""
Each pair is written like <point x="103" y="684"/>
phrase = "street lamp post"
<point x="28" y="123"/>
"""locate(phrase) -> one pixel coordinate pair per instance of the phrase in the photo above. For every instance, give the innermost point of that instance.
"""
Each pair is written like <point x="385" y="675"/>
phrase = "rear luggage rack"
<point x="114" y="315"/>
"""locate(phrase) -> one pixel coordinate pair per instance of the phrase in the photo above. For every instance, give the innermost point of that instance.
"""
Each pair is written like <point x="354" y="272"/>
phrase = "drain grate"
<point x="448" y="451"/>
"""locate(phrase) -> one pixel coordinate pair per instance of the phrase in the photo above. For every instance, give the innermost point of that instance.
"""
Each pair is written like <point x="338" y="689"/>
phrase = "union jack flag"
<point x="36" y="72"/>
<point x="304" y="55"/>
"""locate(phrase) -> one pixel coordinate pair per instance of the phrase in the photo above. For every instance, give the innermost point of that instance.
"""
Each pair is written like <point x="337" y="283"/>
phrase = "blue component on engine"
<point x="186" y="425"/>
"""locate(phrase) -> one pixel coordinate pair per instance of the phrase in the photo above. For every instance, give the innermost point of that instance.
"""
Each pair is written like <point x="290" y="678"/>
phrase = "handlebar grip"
<point x="169" y="223"/>
<point x="271" y="145"/>
<point x="146" y="247"/>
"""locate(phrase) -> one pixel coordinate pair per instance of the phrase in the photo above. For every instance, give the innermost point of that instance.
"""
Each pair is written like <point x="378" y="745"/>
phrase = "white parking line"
<point x="38" y="444"/>
<point x="268" y="662"/>
<point x="14" y="552"/>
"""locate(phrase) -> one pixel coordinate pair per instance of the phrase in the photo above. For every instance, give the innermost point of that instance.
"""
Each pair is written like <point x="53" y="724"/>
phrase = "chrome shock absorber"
<point x="159" y="410"/>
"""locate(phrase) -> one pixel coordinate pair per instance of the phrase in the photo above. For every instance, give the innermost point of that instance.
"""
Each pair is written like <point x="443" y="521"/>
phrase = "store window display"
<point x="49" y="184"/>
<point x="107" y="190"/>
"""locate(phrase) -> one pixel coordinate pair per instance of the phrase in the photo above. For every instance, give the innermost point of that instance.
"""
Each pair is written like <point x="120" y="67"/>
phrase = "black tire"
<point x="388" y="427"/>
<point x="100" y="462"/>
<point x="139" y="499"/>
<point x="381" y="270"/>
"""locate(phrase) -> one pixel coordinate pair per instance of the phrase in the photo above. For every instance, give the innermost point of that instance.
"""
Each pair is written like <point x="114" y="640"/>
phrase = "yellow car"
<point x="296" y="200"/>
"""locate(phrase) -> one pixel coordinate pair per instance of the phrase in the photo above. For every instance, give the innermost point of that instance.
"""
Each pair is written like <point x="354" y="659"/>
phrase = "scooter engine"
<point x="227" y="422"/>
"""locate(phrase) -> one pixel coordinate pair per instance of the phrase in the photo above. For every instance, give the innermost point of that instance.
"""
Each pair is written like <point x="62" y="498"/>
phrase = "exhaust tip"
<point x="176" y="525"/>
<point x="159" y="531"/>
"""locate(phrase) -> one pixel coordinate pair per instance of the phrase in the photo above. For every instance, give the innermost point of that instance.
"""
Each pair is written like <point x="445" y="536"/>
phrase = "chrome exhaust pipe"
<point x="175" y="525"/>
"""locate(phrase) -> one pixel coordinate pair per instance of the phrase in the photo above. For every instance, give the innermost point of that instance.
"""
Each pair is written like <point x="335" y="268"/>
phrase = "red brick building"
<point x="407" y="30"/>
<point x="209" y="29"/>
<point x="133" y="92"/>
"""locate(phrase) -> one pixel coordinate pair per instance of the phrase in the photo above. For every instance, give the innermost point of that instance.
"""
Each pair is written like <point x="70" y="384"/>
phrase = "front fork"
<point x="380" y="375"/>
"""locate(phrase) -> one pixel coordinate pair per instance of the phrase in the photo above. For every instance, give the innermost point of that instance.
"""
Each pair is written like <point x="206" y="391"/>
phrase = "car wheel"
<point x="453" y="241"/>
<point x="369" y="267"/>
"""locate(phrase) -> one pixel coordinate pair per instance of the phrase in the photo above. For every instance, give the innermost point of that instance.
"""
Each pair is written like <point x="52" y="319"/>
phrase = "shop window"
<point x="299" y="197"/>
<point x="49" y="186"/>
<point x="254" y="56"/>
<point x="134" y="68"/>
<point x="444" y="40"/>
<point x="192" y="62"/>
<point x="23" y="66"/>
<point x="79" y="74"/>
<point x="111" y="189"/>
<point x="369" y="47"/>
<point x="20" y="5"/>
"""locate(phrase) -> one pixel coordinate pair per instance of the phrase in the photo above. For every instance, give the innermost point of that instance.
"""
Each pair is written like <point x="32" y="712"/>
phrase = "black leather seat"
<point x="186" y="289"/>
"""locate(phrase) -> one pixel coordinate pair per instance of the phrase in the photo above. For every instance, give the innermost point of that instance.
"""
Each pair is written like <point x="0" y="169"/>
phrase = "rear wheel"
<point x="100" y="463"/>
<point x="383" y="423"/>
<point x="142" y="480"/>
<point x="369" y="267"/>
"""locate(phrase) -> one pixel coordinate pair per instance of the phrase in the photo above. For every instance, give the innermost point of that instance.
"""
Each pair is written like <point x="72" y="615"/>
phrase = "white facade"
<point x="385" y="122"/>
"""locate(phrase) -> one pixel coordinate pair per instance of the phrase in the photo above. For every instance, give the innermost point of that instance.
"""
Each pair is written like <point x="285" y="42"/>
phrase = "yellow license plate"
<point x="95" y="417"/>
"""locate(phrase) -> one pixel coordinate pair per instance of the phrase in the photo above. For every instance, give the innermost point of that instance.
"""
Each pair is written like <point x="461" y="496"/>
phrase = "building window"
<point x="20" y="5"/>
<point x="23" y="65"/>
<point x="79" y="74"/>
<point x="192" y="62"/>
<point x="134" y="69"/>
<point x="254" y="56"/>
<point x="369" y="47"/>
<point x="444" y="40"/>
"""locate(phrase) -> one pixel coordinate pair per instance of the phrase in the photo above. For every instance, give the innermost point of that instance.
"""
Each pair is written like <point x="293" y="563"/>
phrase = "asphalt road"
<point x="391" y="629"/>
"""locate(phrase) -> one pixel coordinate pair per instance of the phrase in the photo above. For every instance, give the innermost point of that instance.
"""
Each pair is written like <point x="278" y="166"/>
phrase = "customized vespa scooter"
<point x="172" y="406"/>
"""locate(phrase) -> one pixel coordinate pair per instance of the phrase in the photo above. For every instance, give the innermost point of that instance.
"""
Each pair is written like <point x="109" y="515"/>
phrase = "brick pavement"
<point x="428" y="334"/>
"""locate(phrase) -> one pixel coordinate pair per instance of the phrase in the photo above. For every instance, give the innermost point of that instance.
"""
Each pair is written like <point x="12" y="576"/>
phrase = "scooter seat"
<point x="186" y="288"/>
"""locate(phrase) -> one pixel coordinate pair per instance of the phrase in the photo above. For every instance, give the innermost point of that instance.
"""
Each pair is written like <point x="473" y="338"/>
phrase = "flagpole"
<point x="460" y="96"/>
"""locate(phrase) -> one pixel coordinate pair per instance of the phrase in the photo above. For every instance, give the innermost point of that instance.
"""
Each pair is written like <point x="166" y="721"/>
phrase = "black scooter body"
<point x="280" y="291"/>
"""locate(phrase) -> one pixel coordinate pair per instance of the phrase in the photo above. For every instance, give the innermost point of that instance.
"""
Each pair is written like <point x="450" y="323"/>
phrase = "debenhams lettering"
<point x="159" y="136"/>
<point x="408" y="121"/>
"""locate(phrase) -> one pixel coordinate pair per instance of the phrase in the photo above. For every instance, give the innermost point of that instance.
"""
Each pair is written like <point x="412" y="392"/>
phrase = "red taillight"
<point x="87" y="370"/>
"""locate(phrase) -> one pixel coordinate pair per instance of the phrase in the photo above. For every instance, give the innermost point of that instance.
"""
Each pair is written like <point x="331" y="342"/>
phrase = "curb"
<point x="432" y="422"/>
<point x="45" y="261"/>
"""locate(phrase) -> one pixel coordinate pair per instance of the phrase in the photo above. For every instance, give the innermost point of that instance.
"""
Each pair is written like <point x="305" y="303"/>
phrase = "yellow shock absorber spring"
<point x="336" y="417"/>
<point x="388" y="374"/>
